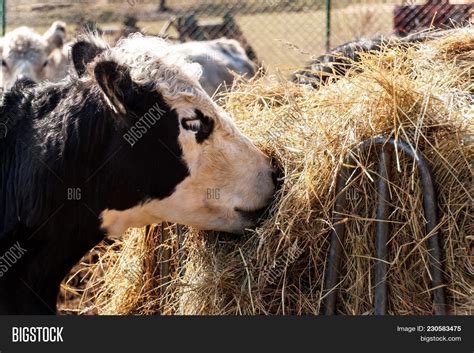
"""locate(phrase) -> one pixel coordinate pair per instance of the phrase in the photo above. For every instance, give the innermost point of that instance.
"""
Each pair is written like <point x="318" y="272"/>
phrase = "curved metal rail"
<point x="382" y="228"/>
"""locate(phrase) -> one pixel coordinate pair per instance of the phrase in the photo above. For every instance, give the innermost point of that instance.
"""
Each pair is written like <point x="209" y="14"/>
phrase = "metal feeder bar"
<point x="382" y="228"/>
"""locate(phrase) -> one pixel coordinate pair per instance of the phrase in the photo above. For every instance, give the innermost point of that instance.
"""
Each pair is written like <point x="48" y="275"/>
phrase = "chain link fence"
<point x="277" y="33"/>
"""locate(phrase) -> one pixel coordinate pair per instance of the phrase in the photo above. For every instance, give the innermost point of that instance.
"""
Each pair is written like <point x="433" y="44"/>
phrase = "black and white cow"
<point x="132" y="140"/>
<point x="337" y="62"/>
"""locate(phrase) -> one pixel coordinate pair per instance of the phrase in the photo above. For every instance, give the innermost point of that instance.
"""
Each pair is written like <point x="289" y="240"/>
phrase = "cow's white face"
<point x="25" y="54"/>
<point x="229" y="180"/>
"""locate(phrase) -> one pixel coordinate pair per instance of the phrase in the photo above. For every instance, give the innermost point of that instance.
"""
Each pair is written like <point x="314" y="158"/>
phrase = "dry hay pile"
<point x="422" y="95"/>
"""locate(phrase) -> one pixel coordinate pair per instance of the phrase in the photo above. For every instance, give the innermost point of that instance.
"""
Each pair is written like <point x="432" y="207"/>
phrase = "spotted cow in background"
<point x="341" y="59"/>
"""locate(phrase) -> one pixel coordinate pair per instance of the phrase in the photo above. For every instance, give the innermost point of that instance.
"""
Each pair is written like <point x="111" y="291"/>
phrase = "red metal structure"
<point x="434" y="13"/>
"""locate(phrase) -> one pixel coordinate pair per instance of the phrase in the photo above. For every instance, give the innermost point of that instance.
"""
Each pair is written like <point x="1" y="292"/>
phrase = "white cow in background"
<point x="219" y="59"/>
<point x="25" y="54"/>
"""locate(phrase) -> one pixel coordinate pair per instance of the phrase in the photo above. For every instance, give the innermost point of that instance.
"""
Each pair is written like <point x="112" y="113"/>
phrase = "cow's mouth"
<point x="256" y="216"/>
<point x="252" y="215"/>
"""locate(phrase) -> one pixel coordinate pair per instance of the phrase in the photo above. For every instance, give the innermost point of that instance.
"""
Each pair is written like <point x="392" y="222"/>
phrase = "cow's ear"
<point x="55" y="36"/>
<point x="83" y="52"/>
<point x="116" y="83"/>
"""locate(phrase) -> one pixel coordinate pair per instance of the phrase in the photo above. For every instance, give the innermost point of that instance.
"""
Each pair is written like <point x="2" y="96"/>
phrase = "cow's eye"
<point x="45" y="63"/>
<point x="192" y="124"/>
<point x="4" y="63"/>
<point x="200" y="124"/>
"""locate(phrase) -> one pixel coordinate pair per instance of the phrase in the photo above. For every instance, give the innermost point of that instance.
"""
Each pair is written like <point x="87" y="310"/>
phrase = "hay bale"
<point x="421" y="95"/>
<point x="133" y="274"/>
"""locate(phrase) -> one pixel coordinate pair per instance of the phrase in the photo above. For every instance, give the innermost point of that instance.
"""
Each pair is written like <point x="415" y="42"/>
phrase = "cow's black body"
<point x="62" y="162"/>
<point x="89" y="152"/>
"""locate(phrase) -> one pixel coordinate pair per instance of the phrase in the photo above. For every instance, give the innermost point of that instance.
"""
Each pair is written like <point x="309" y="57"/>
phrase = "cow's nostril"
<point x="275" y="178"/>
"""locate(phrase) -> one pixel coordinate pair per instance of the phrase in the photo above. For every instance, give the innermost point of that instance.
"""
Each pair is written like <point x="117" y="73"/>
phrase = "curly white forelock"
<point x="152" y="63"/>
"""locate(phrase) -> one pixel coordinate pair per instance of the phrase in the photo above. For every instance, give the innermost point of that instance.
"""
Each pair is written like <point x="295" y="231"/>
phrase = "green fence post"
<point x="328" y="25"/>
<point x="2" y="17"/>
<point x="163" y="5"/>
